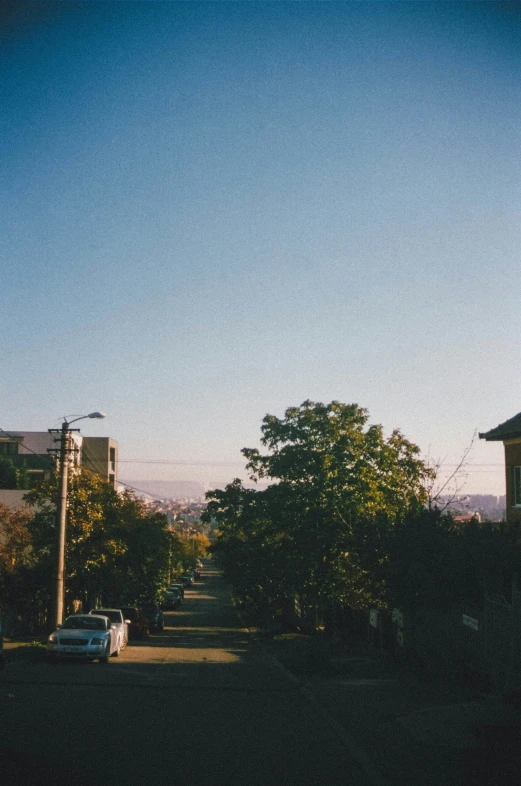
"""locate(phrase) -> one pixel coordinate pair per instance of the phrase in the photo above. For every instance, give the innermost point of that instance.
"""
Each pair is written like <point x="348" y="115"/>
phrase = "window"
<point x="113" y="459"/>
<point x="517" y="486"/>
<point x="8" y="448"/>
<point x="35" y="477"/>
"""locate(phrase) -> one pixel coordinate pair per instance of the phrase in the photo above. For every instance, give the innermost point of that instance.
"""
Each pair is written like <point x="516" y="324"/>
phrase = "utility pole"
<point x="65" y="449"/>
<point x="62" y="518"/>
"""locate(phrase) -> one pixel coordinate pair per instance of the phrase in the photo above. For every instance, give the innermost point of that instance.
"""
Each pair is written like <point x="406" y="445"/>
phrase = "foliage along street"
<point x="351" y="521"/>
<point x="119" y="551"/>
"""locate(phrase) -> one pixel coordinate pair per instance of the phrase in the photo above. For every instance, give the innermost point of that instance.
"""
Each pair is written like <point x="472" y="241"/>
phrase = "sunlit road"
<point x="197" y="704"/>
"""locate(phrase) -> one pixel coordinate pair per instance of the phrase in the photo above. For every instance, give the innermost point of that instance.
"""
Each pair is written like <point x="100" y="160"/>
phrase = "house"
<point x="509" y="433"/>
<point x="34" y="452"/>
<point x="467" y="518"/>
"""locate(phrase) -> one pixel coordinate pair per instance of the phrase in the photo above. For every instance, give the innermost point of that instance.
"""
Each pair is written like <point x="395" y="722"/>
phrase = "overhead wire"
<point x="141" y="491"/>
<point x="492" y="467"/>
<point x="94" y="461"/>
<point x="25" y="447"/>
<point x="182" y="462"/>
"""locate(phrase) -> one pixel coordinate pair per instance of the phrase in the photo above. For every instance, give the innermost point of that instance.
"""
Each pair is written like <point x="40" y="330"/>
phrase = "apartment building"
<point x="36" y="450"/>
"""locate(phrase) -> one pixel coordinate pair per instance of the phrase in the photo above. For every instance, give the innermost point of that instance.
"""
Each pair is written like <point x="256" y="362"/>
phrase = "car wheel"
<point x="118" y="650"/>
<point x="105" y="658"/>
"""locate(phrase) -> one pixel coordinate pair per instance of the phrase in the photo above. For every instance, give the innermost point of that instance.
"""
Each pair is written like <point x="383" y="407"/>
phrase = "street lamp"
<point x="62" y="508"/>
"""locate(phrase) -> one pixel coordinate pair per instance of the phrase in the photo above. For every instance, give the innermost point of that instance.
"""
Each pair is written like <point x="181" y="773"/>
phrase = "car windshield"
<point x="114" y="616"/>
<point x="84" y="623"/>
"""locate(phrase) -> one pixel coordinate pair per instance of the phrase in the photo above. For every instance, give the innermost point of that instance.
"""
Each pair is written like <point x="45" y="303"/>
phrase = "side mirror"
<point x="127" y="622"/>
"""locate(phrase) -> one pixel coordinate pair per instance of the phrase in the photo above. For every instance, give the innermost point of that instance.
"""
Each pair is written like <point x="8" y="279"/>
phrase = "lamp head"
<point x="96" y="415"/>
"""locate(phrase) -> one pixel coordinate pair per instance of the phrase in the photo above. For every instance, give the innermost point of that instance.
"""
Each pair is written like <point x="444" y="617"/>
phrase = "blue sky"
<point x="214" y="211"/>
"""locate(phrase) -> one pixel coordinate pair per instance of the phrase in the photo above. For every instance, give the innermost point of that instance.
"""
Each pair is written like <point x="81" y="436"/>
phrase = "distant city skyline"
<point x="215" y="211"/>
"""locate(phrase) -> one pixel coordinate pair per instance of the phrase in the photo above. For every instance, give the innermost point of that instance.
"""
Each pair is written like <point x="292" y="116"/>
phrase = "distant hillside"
<point x="169" y="489"/>
<point x="182" y="489"/>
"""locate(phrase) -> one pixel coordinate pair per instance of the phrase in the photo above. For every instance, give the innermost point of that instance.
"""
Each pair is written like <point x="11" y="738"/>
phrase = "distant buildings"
<point x="482" y="507"/>
<point x="467" y="518"/>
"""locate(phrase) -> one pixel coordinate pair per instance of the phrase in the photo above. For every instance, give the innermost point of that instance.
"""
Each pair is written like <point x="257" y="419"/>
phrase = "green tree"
<point x="318" y="532"/>
<point x="116" y="549"/>
<point x="340" y="474"/>
<point x="422" y="567"/>
<point x="22" y="477"/>
<point x="11" y="477"/>
<point x="8" y="474"/>
<point x="19" y="589"/>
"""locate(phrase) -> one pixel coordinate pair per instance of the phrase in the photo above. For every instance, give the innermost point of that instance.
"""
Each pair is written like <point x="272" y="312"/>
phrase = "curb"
<point x="371" y="772"/>
<point x="20" y="656"/>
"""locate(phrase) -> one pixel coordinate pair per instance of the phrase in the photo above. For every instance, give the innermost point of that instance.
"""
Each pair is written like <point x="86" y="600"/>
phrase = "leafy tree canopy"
<point x="337" y="480"/>
<point x="8" y="474"/>
<point x="329" y="452"/>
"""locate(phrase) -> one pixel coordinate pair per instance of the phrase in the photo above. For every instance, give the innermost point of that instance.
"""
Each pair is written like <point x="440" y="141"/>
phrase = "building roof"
<point x="507" y="430"/>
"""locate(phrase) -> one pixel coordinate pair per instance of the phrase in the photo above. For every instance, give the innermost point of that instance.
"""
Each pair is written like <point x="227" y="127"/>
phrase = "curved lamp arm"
<point x="98" y="415"/>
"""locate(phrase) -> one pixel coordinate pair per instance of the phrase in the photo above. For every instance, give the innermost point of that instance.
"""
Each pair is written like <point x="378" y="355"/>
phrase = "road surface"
<point x="197" y="704"/>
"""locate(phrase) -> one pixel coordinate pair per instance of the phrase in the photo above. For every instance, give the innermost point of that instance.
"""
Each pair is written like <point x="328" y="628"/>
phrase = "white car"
<point x="119" y="622"/>
<point x="84" y="636"/>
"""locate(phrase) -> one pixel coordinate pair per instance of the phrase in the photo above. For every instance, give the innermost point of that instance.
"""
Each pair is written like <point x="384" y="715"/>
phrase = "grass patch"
<point x="30" y="649"/>
<point x="305" y="655"/>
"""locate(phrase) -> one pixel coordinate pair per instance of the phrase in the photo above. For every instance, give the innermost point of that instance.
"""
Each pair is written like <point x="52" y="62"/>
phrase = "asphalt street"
<point x="197" y="704"/>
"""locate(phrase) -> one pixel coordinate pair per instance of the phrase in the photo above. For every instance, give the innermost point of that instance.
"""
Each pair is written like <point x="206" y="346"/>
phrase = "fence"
<point x="484" y="644"/>
<point x="501" y="640"/>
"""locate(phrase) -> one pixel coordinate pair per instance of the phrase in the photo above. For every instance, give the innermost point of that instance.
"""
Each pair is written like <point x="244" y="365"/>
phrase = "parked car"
<point x="118" y="620"/>
<point x="187" y="579"/>
<point x="171" y="600"/>
<point x="85" y="636"/>
<point x="179" y="587"/>
<point x="155" y="617"/>
<point x="138" y="626"/>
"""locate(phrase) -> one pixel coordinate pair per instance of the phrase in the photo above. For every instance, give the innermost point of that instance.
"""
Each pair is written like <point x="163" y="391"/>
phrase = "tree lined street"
<point x="197" y="704"/>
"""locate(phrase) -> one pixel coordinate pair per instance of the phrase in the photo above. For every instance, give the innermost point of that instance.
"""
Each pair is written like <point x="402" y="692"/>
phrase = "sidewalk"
<point x="411" y="729"/>
<point x="23" y="649"/>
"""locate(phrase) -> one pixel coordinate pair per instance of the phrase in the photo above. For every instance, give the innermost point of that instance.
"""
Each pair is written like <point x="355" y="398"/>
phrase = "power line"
<point x="199" y="463"/>
<point x="141" y="491"/>
<point x="15" y="439"/>
<point x="88" y="456"/>
<point x="183" y="463"/>
<point x="240" y="463"/>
